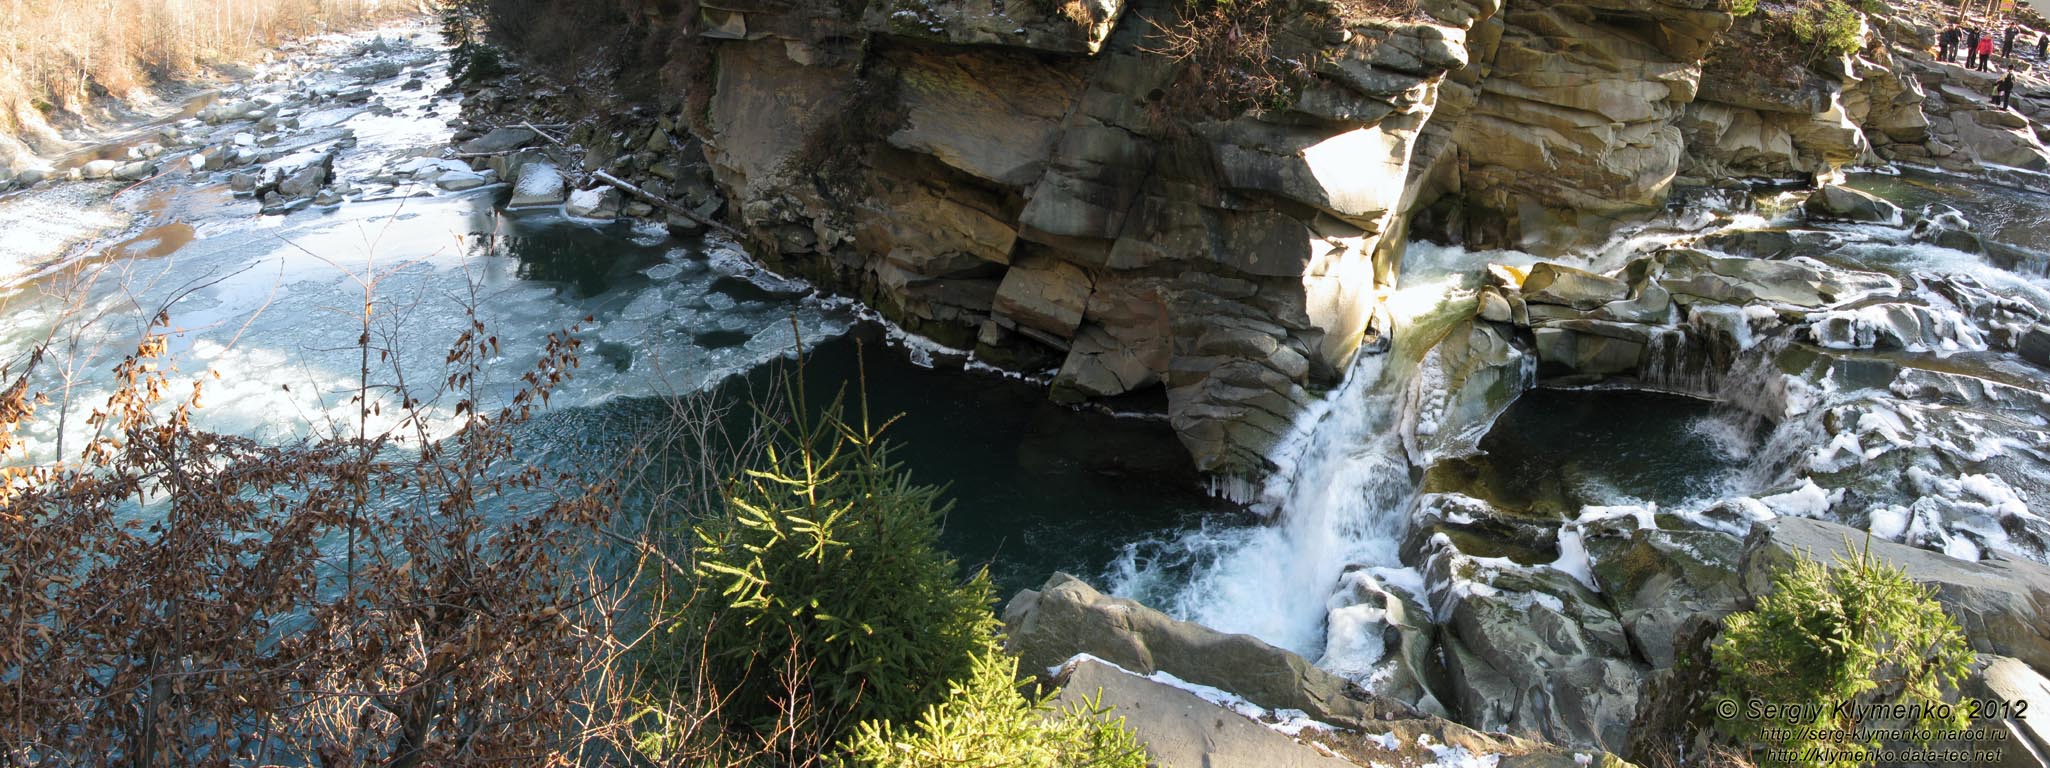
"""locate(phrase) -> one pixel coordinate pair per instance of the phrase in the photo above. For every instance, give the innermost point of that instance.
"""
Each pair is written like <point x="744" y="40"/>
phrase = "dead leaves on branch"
<point x="182" y="597"/>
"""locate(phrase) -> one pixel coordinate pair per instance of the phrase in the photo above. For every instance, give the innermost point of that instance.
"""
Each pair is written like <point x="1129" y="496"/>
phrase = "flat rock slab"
<point x="1181" y="730"/>
<point x="2012" y="682"/>
<point x="540" y="184"/>
<point x="500" y="140"/>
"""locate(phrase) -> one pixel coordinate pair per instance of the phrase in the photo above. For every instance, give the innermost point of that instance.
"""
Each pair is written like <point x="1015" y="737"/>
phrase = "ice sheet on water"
<point x="269" y="320"/>
<point x="417" y="165"/>
<point x="649" y="233"/>
<point x="624" y="331"/>
<point x="330" y="117"/>
<point x="647" y="306"/>
<point x="922" y="352"/>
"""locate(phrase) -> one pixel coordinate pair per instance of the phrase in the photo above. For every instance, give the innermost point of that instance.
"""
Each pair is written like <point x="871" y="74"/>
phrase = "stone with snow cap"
<point x="1531" y="649"/>
<point x="539" y="184"/>
<point x="1179" y="728"/>
<point x="1179" y="685"/>
<point x="1066" y="616"/>
<point x="598" y="203"/>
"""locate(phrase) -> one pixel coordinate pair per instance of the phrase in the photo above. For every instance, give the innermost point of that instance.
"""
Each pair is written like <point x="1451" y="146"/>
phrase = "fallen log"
<point x="664" y="204"/>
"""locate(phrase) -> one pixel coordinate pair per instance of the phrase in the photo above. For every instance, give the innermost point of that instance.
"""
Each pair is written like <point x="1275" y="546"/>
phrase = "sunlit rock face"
<point x="1571" y="109"/>
<point x="1007" y="179"/>
<point x="1003" y="180"/>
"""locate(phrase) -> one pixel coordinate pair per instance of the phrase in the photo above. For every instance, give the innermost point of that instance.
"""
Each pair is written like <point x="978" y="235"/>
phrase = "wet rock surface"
<point x="1200" y="697"/>
<point x="1009" y="189"/>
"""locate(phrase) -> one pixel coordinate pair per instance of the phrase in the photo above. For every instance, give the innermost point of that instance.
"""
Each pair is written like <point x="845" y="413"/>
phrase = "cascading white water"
<point x="1337" y="500"/>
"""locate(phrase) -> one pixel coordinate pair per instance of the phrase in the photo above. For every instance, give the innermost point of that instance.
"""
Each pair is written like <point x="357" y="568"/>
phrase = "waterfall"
<point x="1338" y="500"/>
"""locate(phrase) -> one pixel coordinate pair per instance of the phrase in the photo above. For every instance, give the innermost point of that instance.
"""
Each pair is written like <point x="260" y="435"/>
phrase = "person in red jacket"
<point x="1985" y="52"/>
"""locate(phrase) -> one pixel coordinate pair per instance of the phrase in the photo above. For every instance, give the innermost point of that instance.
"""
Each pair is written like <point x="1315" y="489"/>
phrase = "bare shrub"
<point x="1227" y="61"/>
<point x="180" y="597"/>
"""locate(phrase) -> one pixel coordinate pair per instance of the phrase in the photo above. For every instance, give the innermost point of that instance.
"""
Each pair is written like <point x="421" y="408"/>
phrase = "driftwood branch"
<point x="664" y="204"/>
<point x="627" y="187"/>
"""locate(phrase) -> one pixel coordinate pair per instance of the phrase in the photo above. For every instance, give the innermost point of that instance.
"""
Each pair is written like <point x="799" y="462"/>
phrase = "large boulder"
<point x="1016" y="189"/>
<point x="1068" y="26"/>
<point x="1044" y="296"/>
<point x="1659" y="580"/>
<point x="1047" y="626"/>
<point x="1550" y="283"/>
<point x="135" y="171"/>
<point x="459" y="181"/>
<point x="539" y="185"/>
<point x="1151" y="669"/>
<point x="504" y="139"/>
<point x="1188" y="726"/>
<point x="99" y="169"/>
<point x="1999" y="137"/>
<point x="2008" y="681"/>
<point x="597" y="203"/>
<point x="1834" y="203"/>
<point x="1182" y="730"/>
<point x="1573" y="113"/>
<point x="1532" y="650"/>
<point x="306" y="181"/>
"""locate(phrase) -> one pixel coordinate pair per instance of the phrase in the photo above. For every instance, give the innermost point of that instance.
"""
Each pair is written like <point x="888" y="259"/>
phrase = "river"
<point x="274" y="304"/>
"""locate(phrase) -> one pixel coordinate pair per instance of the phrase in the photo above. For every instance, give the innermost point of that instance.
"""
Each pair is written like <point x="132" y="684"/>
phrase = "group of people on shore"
<point x="1977" y="46"/>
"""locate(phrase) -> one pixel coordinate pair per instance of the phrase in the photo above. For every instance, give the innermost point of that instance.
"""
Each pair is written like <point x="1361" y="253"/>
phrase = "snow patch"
<point x="1288" y="722"/>
<point x="1809" y="501"/>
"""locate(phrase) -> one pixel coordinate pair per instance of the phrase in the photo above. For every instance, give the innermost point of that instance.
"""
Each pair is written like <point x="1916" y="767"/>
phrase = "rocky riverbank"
<point x="1887" y="402"/>
<point x="273" y="138"/>
<point x="1004" y="182"/>
<point x="1007" y="185"/>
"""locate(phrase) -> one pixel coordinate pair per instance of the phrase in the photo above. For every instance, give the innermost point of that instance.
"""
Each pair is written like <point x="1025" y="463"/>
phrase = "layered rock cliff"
<point x="1016" y="176"/>
<point x="999" y="179"/>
